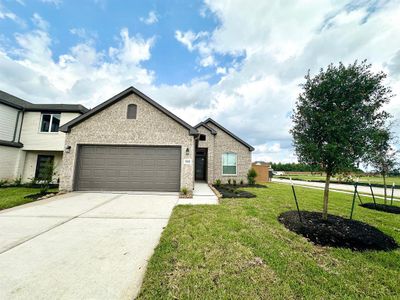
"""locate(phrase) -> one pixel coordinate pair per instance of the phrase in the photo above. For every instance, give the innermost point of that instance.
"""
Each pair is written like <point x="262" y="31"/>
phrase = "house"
<point x="131" y="143"/>
<point x="29" y="136"/>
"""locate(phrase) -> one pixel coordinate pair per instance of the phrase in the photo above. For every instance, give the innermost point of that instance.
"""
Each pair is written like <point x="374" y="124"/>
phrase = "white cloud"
<point x="132" y="50"/>
<point x="150" y="19"/>
<point x="198" y="42"/>
<point x="53" y="2"/>
<point x="5" y="14"/>
<point x="279" y="41"/>
<point x="40" y="22"/>
<point x="221" y="70"/>
<point x="81" y="75"/>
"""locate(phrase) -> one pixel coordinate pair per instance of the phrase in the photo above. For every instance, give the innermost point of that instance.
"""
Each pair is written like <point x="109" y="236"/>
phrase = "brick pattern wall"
<point x="225" y="143"/>
<point x="110" y="126"/>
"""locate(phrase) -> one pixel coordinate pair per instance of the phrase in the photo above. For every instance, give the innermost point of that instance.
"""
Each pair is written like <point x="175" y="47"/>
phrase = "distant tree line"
<point x="301" y="167"/>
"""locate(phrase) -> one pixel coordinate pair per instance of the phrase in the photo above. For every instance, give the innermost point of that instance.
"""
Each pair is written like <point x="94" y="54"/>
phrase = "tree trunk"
<point x="326" y="196"/>
<point x="384" y="187"/>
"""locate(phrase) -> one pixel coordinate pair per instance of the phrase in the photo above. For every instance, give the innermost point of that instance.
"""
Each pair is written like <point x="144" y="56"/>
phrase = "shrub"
<point x="241" y="182"/>
<point x="217" y="182"/>
<point x="46" y="177"/>
<point x="234" y="182"/>
<point x="32" y="182"/>
<point x="251" y="176"/>
<point x="3" y="182"/>
<point x="184" y="191"/>
<point x="17" y="181"/>
<point x="229" y="181"/>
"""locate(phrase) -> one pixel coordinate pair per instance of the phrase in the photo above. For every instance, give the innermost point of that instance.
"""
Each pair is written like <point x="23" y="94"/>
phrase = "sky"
<point x="238" y="62"/>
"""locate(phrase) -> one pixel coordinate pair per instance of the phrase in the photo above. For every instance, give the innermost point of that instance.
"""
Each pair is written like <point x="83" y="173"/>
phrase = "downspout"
<point x="22" y="122"/>
<point x="16" y="126"/>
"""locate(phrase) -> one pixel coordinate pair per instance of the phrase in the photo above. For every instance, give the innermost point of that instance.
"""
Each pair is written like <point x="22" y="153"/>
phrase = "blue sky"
<point x="240" y="64"/>
<point x="103" y="21"/>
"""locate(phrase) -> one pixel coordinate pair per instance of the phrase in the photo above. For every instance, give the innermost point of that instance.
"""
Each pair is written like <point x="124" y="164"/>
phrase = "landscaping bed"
<point x="40" y="195"/>
<point x="337" y="231"/>
<point x="382" y="207"/>
<point x="234" y="191"/>
<point x="14" y="196"/>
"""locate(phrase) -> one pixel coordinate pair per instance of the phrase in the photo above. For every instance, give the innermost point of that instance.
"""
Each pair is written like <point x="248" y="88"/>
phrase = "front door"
<point x="201" y="164"/>
<point x="44" y="166"/>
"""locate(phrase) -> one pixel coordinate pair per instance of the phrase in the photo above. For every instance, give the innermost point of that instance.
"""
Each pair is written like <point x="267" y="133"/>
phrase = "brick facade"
<point x="111" y="126"/>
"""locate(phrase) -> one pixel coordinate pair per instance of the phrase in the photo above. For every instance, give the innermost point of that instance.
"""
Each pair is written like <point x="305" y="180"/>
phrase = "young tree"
<point x="46" y="177"/>
<point x="382" y="156"/>
<point x="334" y="116"/>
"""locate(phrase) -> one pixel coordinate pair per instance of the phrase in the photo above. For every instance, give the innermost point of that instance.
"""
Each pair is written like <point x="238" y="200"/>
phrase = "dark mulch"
<point x="232" y="191"/>
<point x="37" y="196"/>
<point x="382" y="207"/>
<point x="337" y="231"/>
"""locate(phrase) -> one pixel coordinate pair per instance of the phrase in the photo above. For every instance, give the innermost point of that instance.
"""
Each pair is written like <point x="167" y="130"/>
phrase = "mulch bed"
<point x="233" y="191"/>
<point x="38" y="195"/>
<point x="382" y="207"/>
<point x="337" y="231"/>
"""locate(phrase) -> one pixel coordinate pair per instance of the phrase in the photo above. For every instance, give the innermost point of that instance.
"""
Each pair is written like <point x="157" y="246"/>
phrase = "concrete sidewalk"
<point x="202" y="194"/>
<point x="80" y="245"/>
<point x="341" y="187"/>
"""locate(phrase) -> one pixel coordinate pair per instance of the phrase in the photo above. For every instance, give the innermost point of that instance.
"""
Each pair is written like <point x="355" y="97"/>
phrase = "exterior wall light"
<point x="67" y="149"/>
<point x="187" y="151"/>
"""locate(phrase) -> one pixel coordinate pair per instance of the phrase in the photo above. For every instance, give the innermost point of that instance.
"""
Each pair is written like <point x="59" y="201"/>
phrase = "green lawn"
<point x="238" y="250"/>
<point x="364" y="179"/>
<point x="13" y="196"/>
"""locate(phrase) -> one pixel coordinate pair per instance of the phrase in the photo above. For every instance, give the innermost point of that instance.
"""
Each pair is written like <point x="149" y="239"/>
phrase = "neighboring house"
<point x="131" y="143"/>
<point x="29" y="136"/>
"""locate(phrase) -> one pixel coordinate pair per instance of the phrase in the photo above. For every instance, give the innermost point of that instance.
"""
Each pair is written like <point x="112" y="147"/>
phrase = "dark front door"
<point x="42" y="166"/>
<point x="201" y="164"/>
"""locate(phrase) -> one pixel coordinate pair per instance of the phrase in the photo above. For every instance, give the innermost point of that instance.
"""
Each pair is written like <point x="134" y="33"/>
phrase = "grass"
<point x="13" y="196"/>
<point x="238" y="250"/>
<point x="363" y="179"/>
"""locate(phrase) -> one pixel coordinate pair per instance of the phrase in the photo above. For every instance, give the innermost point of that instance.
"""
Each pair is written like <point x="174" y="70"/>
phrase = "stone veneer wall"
<point x="225" y="143"/>
<point x="110" y="126"/>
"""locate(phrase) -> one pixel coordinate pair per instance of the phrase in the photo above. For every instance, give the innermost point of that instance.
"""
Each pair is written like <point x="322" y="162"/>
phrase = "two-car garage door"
<point x="128" y="168"/>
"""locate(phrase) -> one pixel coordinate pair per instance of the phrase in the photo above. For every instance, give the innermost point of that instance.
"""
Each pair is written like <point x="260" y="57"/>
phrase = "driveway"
<point x="80" y="245"/>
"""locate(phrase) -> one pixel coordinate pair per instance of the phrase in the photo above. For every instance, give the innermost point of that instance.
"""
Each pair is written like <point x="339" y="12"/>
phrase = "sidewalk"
<point x="344" y="188"/>
<point x="202" y="194"/>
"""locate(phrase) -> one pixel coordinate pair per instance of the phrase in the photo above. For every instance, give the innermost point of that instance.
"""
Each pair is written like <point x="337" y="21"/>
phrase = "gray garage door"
<point x="128" y="168"/>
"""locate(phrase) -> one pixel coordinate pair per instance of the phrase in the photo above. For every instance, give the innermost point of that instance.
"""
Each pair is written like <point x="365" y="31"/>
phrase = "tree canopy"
<point x="337" y="116"/>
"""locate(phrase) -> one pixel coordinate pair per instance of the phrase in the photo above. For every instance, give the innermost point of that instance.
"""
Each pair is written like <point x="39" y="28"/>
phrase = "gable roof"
<point x="219" y="126"/>
<point x="131" y="90"/>
<point x="212" y="130"/>
<point x="21" y="104"/>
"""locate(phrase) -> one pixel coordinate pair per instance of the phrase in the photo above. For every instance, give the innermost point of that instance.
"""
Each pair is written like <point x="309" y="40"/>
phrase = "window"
<point x="202" y="137"/>
<point x="132" y="110"/>
<point x="50" y="122"/>
<point x="229" y="162"/>
<point x="42" y="165"/>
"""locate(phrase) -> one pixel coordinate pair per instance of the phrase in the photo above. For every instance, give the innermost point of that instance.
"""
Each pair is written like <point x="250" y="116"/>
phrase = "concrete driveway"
<point x="80" y="245"/>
